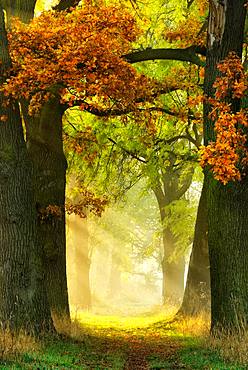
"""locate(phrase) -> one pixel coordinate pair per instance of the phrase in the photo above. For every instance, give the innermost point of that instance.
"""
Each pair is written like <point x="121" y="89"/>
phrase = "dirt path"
<point x="140" y="350"/>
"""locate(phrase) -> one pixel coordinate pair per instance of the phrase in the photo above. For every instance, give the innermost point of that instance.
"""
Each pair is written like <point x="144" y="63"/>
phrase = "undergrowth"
<point x="148" y="341"/>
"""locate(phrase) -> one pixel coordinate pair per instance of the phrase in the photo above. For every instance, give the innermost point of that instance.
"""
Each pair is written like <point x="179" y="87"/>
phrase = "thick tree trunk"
<point x="23" y="301"/>
<point x="227" y="205"/>
<point x="196" y="298"/>
<point x="228" y="245"/>
<point x="79" y="263"/>
<point x="173" y="271"/>
<point x="45" y="148"/>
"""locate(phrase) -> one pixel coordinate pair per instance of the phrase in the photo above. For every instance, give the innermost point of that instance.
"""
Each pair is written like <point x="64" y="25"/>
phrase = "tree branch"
<point x="186" y="55"/>
<point x="133" y="155"/>
<point x="65" y="4"/>
<point x="119" y="112"/>
<point x="172" y="140"/>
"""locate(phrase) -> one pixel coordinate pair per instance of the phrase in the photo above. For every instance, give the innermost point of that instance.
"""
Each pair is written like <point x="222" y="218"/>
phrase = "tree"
<point x="110" y="158"/>
<point x="227" y="204"/>
<point x="45" y="148"/>
<point x="23" y="297"/>
<point x="21" y="9"/>
<point x="172" y="188"/>
<point x="183" y="54"/>
<point x="124" y="242"/>
<point x="44" y="130"/>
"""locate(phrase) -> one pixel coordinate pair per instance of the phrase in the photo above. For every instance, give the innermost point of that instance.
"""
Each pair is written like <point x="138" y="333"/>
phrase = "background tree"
<point x="115" y="156"/>
<point x="126" y="253"/>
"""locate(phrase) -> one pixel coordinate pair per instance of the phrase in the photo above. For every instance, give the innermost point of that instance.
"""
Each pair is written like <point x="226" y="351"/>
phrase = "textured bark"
<point x="227" y="205"/>
<point x="66" y="4"/>
<point x="45" y="148"/>
<point x="22" y="292"/>
<point x="79" y="263"/>
<point x="196" y="298"/>
<point x="187" y="55"/>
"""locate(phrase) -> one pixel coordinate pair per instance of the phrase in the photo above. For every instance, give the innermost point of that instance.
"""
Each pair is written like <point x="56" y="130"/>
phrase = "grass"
<point x="111" y="342"/>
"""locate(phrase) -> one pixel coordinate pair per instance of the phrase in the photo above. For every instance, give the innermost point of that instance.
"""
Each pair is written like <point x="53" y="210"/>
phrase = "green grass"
<point x="107" y="342"/>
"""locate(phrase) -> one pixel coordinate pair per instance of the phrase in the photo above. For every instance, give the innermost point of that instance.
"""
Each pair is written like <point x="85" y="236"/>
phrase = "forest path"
<point x="142" y="343"/>
<point x="153" y="341"/>
<point x="142" y="353"/>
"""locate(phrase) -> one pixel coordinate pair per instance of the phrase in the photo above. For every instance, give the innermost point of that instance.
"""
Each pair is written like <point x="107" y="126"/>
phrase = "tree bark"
<point x="22" y="291"/>
<point x="227" y="205"/>
<point x="186" y="55"/>
<point x="45" y="148"/>
<point x="66" y="4"/>
<point x="196" y="298"/>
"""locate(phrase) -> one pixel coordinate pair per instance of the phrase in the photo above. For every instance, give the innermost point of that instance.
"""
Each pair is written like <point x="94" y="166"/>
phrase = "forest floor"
<point x="120" y="343"/>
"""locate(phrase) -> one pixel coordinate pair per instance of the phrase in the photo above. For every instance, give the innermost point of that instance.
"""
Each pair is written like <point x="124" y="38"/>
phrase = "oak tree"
<point x="23" y="297"/>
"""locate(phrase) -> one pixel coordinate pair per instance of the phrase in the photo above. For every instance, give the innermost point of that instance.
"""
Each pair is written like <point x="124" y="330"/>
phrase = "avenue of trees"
<point x="146" y="121"/>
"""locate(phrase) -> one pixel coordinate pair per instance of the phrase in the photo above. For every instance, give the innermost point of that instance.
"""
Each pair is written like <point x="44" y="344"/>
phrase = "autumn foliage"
<point x="84" y="143"/>
<point x="78" y="55"/>
<point x="227" y="157"/>
<point x="190" y="29"/>
<point x="88" y="203"/>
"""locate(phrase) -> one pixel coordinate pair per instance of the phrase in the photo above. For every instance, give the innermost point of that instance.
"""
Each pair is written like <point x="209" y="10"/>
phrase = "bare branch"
<point x="66" y="4"/>
<point x="132" y="154"/>
<point x="172" y="139"/>
<point x="120" y="112"/>
<point x="186" y="55"/>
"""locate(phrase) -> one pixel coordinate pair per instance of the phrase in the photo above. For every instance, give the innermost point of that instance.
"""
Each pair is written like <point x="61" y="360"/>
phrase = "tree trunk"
<point x="170" y="188"/>
<point x="45" y="148"/>
<point x="227" y="205"/>
<point x="196" y="298"/>
<point x="173" y="271"/>
<point x="22" y="292"/>
<point x="79" y="263"/>
<point x="23" y="9"/>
